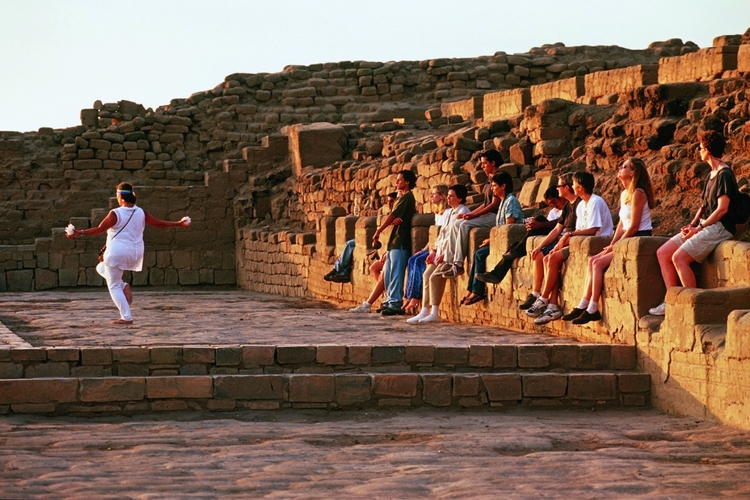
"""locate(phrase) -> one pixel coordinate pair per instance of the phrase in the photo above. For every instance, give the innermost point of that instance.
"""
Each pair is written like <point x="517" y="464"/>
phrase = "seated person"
<point x="376" y="269"/>
<point x="416" y="265"/>
<point x="636" y="201"/>
<point x="592" y="219"/>
<point x="433" y="284"/>
<point x="509" y="212"/>
<point x="343" y="266"/>
<point x="711" y="225"/>
<point x="534" y="227"/>
<point x="484" y="216"/>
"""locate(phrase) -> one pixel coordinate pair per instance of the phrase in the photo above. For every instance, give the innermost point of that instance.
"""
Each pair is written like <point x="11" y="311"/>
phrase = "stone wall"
<point x="702" y="65"/>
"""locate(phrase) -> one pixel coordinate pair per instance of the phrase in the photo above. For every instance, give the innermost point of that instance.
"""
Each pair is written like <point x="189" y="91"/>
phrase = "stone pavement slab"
<point x="380" y="454"/>
<point x="220" y="317"/>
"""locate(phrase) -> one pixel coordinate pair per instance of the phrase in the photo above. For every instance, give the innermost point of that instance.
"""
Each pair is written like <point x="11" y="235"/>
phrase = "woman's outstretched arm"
<point x="153" y="221"/>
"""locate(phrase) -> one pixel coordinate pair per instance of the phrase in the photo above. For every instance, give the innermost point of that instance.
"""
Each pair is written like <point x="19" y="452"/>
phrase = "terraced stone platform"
<point x="226" y="350"/>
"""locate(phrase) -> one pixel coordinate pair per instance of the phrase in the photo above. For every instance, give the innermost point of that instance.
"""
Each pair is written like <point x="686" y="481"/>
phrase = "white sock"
<point x="434" y="310"/>
<point x="367" y="303"/>
<point x="535" y="294"/>
<point x="583" y="304"/>
<point x="592" y="308"/>
<point x="545" y="301"/>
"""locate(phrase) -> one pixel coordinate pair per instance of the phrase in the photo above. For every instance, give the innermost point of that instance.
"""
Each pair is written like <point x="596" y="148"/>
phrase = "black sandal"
<point x="475" y="299"/>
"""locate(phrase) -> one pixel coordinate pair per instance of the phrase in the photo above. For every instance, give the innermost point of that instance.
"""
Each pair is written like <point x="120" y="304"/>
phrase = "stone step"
<point x="349" y="391"/>
<point x="149" y="361"/>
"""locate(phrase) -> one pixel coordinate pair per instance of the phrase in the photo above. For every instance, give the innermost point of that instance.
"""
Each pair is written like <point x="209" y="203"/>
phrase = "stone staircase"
<point x="92" y="380"/>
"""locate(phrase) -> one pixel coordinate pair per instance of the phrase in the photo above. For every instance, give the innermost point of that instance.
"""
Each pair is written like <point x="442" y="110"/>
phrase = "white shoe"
<point x="364" y="307"/>
<point x="537" y="308"/>
<point x="416" y="319"/>
<point x="659" y="310"/>
<point x="430" y="318"/>
<point x="552" y="313"/>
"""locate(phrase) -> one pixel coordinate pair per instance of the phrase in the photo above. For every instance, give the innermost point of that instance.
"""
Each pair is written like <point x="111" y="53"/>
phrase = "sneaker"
<point x="659" y="310"/>
<point x="416" y="319"/>
<point x="550" y="314"/>
<point x="364" y="307"/>
<point x="390" y="311"/>
<point x="454" y="271"/>
<point x="537" y="308"/>
<point x="586" y="317"/>
<point x="574" y="314"/>
<point x="329" y="276"/>
<point x="487" y="278"/>
<point x="529" y="302"/>
<point x="432" y="318"/>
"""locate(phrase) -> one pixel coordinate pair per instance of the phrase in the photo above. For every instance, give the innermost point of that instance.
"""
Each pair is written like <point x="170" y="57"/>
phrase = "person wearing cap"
<point x="124" y="249"/>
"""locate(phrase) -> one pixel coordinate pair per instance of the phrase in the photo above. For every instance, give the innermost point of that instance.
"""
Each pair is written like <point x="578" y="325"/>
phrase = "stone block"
<point x="436" y="389"/>
<point x="169" y="405"/>
<point x="419" y="354"/>
<point x="594" y="357"/>
<point x="96" y="390"/>
<point x="63" y="354"/>
<point x="505" y="356"/>
<point x="249" y="387"/>
<point x="331" y="354"/>
<point x="533" y="356"/>
<point x="457" y="356"/>
<point x="569" y="89"/>
<point x="623" y="357"/>
<point x="563" y="356"/>
<point x="96" y="356"/>
<point x="11" y="370"/>
<point x="19" y="281"/>
<point x="179" y="387"/>
<point x="48" y="370"/>
<point x="352" y="389"/>
<point x="197" y="354"/>
<point x="401" y="385"/>
<point x="465" y="384"/>
<point x="286" y="355"/>
<point x="258" y="355"/>
<point x="505" y="104"/>
<point x="592" y="386"/>
<point x="502" y="387"/>
<point x="228" y="356"/>
<point x="634" y="382"/>
<point x="34" y="408"/>
<point x="544" y="385"/>
<point x="737" y="344"/>
<point x="221" y="405"/>
<point x="44" y="279"/>
<point x="165" y="355"/>
<point x="359" y="354"/>
<point x="131" y="354"/>
<point x="28" y="354"/>
<point x="311" y="388"/>
<point x="22" y="391"/>
<point x="480" y="355"/>
<point x="134" y="370"/>
<point x="388" y="354"/>
<point x="316" y="145"/>
<point x="617" y="81"/>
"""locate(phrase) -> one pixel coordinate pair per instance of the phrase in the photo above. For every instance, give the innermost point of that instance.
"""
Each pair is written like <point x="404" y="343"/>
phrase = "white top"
<point x="554" y="214"/>
<point x="125" y="251"/>
<point x="449" y="217"/>
<point x="595" y="213"/>
<point x="626" y="215"/>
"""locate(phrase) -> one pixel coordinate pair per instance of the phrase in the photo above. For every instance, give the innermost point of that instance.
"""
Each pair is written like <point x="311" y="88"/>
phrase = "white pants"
<point x="457" y="245"/>
<point x="113" y="276"/>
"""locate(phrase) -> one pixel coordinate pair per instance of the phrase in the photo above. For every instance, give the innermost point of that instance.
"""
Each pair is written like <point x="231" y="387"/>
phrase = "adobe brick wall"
<point x="617" y="81"/>
<point x="703" y="64"/>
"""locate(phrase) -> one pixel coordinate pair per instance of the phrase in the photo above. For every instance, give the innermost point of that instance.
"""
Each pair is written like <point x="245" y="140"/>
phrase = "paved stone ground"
<point x="167" y="317"/>
<point x="308" y="454"/>
<point x="426" y="454"/>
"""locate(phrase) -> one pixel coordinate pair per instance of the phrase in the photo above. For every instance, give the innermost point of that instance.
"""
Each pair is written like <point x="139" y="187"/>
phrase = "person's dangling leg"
<point x="116" y="286"/>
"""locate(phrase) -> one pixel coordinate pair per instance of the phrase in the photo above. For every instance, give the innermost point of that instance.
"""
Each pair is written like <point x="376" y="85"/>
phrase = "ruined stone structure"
<point x="269" y="165"/>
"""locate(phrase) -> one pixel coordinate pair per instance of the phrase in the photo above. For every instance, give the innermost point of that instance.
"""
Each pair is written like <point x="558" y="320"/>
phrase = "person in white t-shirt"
<point x="124" y="227"/>
<point x="592" y="219"/>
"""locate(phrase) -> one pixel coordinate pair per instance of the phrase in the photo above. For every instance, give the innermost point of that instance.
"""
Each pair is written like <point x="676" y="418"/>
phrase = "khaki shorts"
<point x="703" y="242"/>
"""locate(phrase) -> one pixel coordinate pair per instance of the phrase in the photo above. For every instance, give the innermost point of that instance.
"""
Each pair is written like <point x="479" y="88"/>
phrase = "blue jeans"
<point x="343" y="264"/>
<point x="415" y="268"/>
<point x="478" y="266"/>
<point x="393" y="277"/>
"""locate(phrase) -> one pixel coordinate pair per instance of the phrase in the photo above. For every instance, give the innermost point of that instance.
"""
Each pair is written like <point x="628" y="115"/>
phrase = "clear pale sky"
<point x="57" y="57"/>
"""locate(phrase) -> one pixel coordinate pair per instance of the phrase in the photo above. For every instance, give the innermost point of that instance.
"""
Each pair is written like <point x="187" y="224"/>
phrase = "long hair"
<point x="443" y="190"/>
<point x="640" y="180"/>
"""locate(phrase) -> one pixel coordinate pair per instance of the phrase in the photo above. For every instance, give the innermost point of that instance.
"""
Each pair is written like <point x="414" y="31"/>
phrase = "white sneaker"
<point x="416" y="319"/>
<point x="537" y="308"/>
<point x="659" y="310"/>
<point x="552" y="313"/>
<point x="431" y="318"/>
<point x="364" y="307"/>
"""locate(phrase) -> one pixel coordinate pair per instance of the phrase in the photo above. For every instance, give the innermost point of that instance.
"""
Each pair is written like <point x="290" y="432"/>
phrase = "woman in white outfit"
<point x="124" y="227"/>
